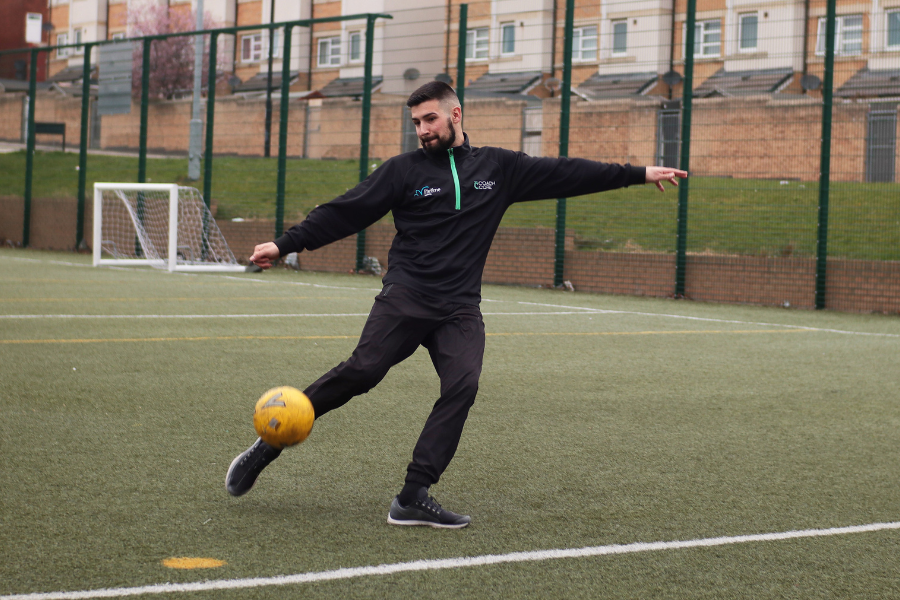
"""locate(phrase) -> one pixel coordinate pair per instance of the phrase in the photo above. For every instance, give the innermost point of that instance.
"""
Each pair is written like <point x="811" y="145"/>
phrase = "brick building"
<point x="17" y="16"/>
<point x="628" y="67"/>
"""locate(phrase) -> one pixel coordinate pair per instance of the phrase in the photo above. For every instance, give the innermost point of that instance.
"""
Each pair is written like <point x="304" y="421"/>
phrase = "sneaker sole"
<point x="409" y="522"/>
<point x="236" y="460"/>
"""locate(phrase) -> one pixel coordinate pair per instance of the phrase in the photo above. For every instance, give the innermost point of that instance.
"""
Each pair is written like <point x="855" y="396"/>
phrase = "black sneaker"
<point x="425" y="511"/>
<point x="247" y="466"/>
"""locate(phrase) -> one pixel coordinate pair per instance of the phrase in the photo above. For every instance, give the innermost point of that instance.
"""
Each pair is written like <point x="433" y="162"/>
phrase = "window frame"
<point x="252" y="47"/>
<point x="78" y="38"/>
<point x="472" y="46"/>
<point x="62" y="39"/>
<point x="358" y="35"/>
<point x="274" y="35"/>
<point x="509" y="26"/>
<point x="578" y="46"/>
<point x="332" y="42"/>
<point x="887" y="29"/>
<point x="699" y="32"/>
<point x="740" y="35"/>
<point x="699" y="40"/>
<point x="615" y="35"/>
<point x="840" y="31"/>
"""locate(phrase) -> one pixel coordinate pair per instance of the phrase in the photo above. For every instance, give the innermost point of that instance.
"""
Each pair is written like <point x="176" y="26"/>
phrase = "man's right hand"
<point x="265" y="254"/>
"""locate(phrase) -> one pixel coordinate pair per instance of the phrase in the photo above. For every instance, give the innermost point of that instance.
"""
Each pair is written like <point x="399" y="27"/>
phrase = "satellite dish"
<point x="672" y="78"/>
<point x="444" y="78"/>
<point x="411" y="74"/>
<point x="552" y="84"/>
<point x="810" y="82"/>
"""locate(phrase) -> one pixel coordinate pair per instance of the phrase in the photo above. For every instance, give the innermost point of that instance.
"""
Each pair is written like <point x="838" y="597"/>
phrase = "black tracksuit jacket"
<point x="447" y="207"/>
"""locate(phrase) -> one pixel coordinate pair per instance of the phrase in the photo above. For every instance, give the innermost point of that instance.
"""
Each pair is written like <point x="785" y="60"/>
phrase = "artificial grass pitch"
<point x="118" y="421"/>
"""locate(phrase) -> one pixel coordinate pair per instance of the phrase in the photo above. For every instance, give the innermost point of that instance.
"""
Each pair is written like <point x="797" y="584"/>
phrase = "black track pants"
<point x="400" y="321"/>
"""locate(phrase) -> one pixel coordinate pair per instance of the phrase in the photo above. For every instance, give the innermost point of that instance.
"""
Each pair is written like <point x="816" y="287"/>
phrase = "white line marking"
<point x="450" y="563"/>
<point x="601" y="311"/>
<point x="250" y="316"/>
<point x="586" y="310"/>
<point x="302" y="283"/>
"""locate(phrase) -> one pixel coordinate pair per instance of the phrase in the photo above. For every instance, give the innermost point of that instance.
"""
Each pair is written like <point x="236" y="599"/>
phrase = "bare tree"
<point x="171" y="59"/>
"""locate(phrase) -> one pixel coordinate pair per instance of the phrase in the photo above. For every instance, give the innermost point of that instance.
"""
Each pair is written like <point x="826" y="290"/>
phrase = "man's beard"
<point x="442" y="143"/>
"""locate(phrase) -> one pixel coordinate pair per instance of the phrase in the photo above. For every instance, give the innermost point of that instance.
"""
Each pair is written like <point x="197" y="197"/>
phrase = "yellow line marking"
<point x="170" y="299"/>
<point x="685" y="332"/>
<point x="185" y="562"/>
<point x="209" y="338"/>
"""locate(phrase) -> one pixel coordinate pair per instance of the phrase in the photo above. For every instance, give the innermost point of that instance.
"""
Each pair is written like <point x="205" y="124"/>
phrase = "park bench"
<point x="52" y="129"/>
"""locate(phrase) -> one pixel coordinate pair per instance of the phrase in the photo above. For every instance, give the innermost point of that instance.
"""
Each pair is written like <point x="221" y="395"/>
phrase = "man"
<point x="447" y="201"/>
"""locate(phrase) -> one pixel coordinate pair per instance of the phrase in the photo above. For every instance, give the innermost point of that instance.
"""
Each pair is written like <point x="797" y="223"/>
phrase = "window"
<point x="329" y="52"/>
<point x="507" y="39"/>
<point x="747" y="36"/>
<point x="354" y="46"/>
<point x="893" y="30"/>
<point x="620" y="38"/>
<point x="277" y="43"/>
<point x="118" y="36"/>
<point x="61" y="40"/>
<point x="79" y="38"/>
<point x="584" y="43"/>
<point x="847" y="35"/>
<point x="252" y="48"/>
<point x="707" y="38"/>
<point x="477" y="43"/>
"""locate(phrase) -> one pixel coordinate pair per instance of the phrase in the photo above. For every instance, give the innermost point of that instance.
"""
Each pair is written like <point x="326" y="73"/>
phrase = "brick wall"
<point x="11" y="108"/>
<point x="758" y="137"/>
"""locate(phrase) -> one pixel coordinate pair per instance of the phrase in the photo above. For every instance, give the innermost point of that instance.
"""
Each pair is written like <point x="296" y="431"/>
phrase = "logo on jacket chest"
<point x="485" y="185"/>
<point x="426" y="191"/>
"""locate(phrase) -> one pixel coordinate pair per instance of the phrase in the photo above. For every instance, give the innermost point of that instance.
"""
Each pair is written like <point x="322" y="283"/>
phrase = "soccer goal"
<point x="158" y="224"/>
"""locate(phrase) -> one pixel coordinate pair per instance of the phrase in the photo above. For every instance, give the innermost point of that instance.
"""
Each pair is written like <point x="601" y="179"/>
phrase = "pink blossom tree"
<point x="171" y="59"/>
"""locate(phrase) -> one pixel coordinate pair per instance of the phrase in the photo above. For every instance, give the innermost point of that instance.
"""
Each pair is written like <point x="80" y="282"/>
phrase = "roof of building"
<point x="504" y="84"/>
<point x="607" y="87"/>
<point x="867" y="83"/>
<point x="744" y="83"/>
<point x="72" y="74"/>
<point x="258" y="82"/>
<point x="21" y="85"/>
<point x="348" y="86"/>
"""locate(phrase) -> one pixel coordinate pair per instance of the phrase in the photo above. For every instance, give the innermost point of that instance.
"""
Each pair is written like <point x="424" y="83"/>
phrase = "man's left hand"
<point x="659" y="174"/>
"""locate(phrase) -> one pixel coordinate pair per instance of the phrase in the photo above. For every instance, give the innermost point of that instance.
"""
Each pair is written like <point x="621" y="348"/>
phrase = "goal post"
<point x="162" y="225"/>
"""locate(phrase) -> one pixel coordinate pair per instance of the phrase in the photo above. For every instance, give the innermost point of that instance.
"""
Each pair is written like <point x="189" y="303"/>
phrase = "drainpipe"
<point x="312" y="45"/>
<point x="447" y="41"/>
<point x="672" y="45"/>
<point x="805" y="39"/>
<point x="553" y="46"/>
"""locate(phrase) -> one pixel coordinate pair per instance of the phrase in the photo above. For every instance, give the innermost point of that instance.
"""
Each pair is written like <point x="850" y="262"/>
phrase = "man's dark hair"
<point x="433" y="90"/>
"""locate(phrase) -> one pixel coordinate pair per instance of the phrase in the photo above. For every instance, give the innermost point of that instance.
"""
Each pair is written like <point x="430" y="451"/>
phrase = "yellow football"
<point x="283" y="417"/>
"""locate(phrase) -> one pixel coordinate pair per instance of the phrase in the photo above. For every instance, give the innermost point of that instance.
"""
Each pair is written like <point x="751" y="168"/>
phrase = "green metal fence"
<point x="785" y="206"/>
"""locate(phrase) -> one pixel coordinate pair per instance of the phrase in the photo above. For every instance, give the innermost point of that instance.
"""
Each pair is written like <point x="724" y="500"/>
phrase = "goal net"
<point x="162" y="225"/>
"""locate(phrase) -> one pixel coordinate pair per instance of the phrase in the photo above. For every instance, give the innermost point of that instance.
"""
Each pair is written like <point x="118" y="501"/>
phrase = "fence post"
<point x="687" y="95"/>
<point x="560" y="253"/>
<point x="364" y="131"/>
<point x="145" y="100"/>
<point x="282" y="131"/>
<point x="461" y="55"/>
<point x="82" y="153"/>
<point x="210" y="114"/>
<point x="825" y="158"/>
<point x="29" y="148"/>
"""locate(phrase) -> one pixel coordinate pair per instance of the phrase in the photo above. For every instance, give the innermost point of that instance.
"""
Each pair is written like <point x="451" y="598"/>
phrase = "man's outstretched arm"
<point x="345" y="215"/>
<point x="658" y="175"/>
